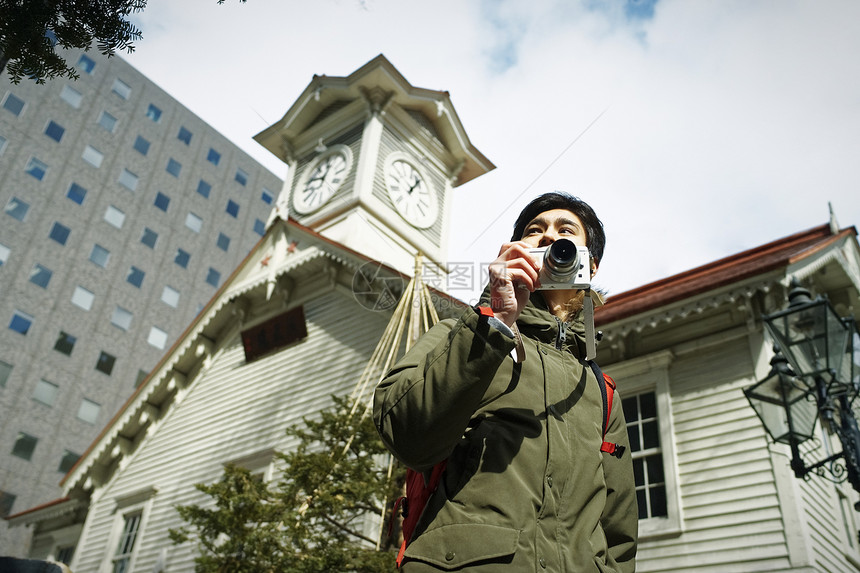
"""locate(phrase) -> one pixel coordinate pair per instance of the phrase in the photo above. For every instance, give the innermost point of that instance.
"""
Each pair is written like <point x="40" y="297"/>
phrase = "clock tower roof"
<point x="380" y="84"/>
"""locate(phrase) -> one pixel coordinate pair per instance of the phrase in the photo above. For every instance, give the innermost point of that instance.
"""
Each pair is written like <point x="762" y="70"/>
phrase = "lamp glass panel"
<point x="785" y="406"/>
<point x="812" y="337"/>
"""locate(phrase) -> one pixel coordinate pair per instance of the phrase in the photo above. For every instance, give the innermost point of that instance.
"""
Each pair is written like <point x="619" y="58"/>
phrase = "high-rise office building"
<point x="122" y="213"/>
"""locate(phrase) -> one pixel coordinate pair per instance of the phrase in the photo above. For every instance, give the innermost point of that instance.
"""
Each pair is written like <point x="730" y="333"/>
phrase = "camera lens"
<point x="562" y="259"/>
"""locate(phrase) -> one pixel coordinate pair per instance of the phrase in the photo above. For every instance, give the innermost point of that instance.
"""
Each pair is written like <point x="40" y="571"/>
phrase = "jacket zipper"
<point x="561" y="338"/>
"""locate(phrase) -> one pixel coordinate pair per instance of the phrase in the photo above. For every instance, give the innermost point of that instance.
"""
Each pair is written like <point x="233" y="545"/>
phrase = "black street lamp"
<point x="822" y="382"/>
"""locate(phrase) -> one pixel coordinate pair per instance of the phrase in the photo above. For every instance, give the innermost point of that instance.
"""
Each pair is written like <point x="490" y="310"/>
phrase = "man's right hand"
<point x="513" y="277"/>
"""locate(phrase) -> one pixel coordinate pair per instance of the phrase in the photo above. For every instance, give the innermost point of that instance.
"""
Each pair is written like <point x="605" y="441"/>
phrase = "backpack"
<point x="421" y="485"/>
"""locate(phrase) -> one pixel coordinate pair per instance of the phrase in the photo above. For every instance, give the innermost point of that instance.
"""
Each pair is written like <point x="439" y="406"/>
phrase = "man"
<point x="504" y="394"/>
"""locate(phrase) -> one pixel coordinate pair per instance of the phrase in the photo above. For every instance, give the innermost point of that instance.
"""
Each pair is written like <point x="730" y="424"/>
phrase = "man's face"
<point x="552" y="225"/>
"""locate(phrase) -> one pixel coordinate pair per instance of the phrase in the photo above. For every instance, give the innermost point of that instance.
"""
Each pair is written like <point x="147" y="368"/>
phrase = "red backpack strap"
<point x="419" y="487"/>
<point x="607" y="391"/>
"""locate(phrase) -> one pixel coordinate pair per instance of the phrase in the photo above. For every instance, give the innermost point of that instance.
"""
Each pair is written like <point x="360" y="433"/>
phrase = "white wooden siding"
<point x="232" y="410"/>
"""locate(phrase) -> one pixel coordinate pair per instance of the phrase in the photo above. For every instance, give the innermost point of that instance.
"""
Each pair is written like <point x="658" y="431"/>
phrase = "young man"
<point x="504" y="394"/>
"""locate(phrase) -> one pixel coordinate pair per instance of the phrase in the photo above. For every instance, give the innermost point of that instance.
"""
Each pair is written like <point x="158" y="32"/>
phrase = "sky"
<point x="696" y="129"/>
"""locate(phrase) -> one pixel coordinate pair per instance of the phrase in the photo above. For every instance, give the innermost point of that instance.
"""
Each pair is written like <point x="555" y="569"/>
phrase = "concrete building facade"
<point x="123" y="212"/>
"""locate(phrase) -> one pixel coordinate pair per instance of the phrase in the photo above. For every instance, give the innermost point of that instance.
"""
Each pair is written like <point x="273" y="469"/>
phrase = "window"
<point x="241" y="177"/>
<point x="128" y="180"/>
<point x="162" y="201"/>
<point x="268" y="197"/>
<point x="4" y="254"/>
<point x="259" y="227"/>
<point x="5" y="372"/>
<point x="121" y="88"/>
<point x="182" y="258"/>
<point x="121" y="318"/>
<point x="640" y="411"/>
<point x="213" y="157"/>
<point x="125" y="549"/>
<point x="204" y="188"/>
<point x="153" y="113"/>
<point x="232" y="208"/>
<point x="149" y="238"/>
<point x="88" y="411"/>
<point x="105" y="363"/>
<point x="274" y="334"/>
<point x="36" y="168"/>
<point x="648" y="411"/>
<point x="76" y="193"/>
<point x="194" y="222"/>
<point x="135" y="276"/>
<point x="173" y="167"/>
<point x="223" y="242"/>
<point x="157" y="338"/>
<point x="82" y="298"/>
<point x="60" y="233"/>
<point x="213" y="277"/>
<point x="141" y="376"/>
<point x="86" y="64"/>
<point x="7" y="501"/>
<point x="114" y="217"/>
<point x="65" y="343"/>
<point x="13" y="104"/>
<point x="93" y="156"/>
<point x="24" y="446"/>
<point x="67" y="462"/>
<point x="40" y="275"/>
<point x="170" y="296"/>
<point x="46" y="392"/>
<point x="184" y="136"/>
<point x="141" y="145"/>
<point x="100" y="255"/>
<point x="21" y="322"/>
<point x="55" y="131"/>
<point x="107" y="121"/>
<point x="16" y="208"/>
<point x="71" y="96"/>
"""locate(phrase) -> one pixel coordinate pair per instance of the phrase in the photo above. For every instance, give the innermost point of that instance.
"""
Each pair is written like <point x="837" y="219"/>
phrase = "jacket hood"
<point x="536" y="321"/>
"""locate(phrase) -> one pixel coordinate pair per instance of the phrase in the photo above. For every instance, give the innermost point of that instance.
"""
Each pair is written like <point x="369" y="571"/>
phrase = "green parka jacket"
<point x="526" y="486"/>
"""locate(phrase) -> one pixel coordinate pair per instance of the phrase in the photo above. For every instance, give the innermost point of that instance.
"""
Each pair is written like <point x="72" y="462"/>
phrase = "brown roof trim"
<point x="725" y="271"/>
<point x="46" y="505"/>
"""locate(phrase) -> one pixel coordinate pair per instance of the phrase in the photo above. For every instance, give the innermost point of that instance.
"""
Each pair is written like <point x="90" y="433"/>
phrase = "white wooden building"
<point x="715" y="496"/>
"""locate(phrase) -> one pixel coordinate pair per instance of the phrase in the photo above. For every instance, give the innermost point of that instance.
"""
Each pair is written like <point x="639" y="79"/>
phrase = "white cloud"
<point x="725" y="124"/>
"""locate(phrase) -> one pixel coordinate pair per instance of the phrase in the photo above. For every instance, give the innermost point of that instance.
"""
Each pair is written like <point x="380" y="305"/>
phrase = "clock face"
<point x="321" y="182"/>
<point x="412" y="195"/>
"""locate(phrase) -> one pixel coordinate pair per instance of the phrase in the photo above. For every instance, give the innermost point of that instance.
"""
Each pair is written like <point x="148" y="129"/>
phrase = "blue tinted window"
<point x="135" y="276"/>
<point x="40" y="275"/>
<point x="15" y="105"/>
<point x="162" y="201"/>
<point x="223" y="242"/>
<point x="153" y="113"/>
<point x="213" y="277"/>
<point x="60" y="233"/>
<point x="184" y="136"/>
<point x="16" y="208"/>
<point x="36" y="168"/>
<point x="259" y="227"/>
<point x="182" y="258"/>
<point x="204" y="188"/>
<point x="149" y="238"/>
<point x="100" y="255"/>
<point x="174" y="167"/>
<point x="105" y="363"/>
<point x="55" y="131"/>
<point x="233" y="208"/>
<point x="141" y="145"/>
<point x="241" y="177"/>
<point x="214" y="157"/>
<point x="267" y="197"/>
<point x="77" y="193"/>
<point x="86" y="64"/>
<point x="21" y="322"/>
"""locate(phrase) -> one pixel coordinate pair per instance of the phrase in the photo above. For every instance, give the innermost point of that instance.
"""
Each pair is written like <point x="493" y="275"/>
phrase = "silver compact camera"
<point x="563" y="265"/>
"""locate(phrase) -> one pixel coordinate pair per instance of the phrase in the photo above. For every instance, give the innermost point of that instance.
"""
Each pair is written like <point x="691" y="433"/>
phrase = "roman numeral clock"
<point x="372" y="163"/>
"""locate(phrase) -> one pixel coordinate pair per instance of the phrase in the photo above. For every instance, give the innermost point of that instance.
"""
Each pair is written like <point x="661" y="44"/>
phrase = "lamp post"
<point x="814" y="375"/>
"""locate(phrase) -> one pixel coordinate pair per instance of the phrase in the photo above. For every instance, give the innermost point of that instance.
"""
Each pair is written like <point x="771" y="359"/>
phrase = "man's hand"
<point x="513" y="277"/>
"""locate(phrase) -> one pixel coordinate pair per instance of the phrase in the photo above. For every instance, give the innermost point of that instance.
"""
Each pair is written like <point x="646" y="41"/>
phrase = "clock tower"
<point x="372" y="163"/>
